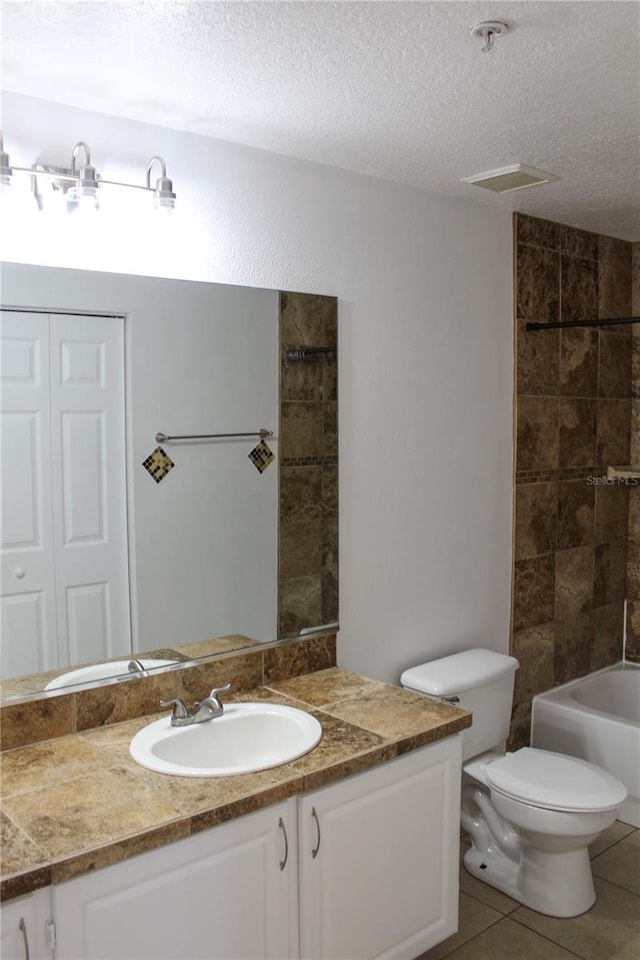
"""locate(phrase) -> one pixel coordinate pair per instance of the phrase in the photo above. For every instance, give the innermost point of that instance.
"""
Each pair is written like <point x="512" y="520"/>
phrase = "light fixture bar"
<point x="80" y="182"/>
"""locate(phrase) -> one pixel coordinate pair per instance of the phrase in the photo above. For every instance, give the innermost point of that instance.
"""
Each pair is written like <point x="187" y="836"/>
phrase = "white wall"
<point x="425" y="355"/>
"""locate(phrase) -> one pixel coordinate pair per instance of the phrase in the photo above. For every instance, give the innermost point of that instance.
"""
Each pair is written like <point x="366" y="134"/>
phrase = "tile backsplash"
<point x="46" y="717"/>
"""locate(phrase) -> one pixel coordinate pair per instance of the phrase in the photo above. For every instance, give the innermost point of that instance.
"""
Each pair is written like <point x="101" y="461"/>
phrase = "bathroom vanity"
<point x="349" y="851"/>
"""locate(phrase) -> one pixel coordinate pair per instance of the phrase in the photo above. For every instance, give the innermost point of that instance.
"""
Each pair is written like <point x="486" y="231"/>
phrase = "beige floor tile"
<point x="608" y="837"/>
<point x="610" y="930"/>
<point x="620" y="864"/>
<point x="507" y="940"/>
<point x="474" y="917"/>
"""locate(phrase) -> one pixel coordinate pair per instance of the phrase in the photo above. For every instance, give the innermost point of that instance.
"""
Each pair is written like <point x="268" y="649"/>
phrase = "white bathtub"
<point x="597" y="718"/>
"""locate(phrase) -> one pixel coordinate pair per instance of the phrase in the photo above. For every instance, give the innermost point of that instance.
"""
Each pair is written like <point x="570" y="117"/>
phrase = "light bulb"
<point x="83" y="196"/>
<point x="82" y="200"/>
<point x="165" y="205"/>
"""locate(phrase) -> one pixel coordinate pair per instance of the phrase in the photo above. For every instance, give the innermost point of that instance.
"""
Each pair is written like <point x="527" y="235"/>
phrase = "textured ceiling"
<point x="398" y="90"/>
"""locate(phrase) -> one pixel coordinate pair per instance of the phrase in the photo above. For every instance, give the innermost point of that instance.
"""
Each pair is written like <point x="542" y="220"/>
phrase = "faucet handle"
<point x="216" y="690"/>
<point x="180" y="712"/>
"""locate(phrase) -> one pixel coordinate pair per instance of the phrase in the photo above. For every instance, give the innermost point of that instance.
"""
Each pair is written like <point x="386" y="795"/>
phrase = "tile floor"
<point x="492" y="926"/>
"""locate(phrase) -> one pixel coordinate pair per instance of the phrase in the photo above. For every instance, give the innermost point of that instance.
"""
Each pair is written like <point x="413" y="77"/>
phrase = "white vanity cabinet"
<point x="229" y="892"/>
<point x="24" y="927"/>
<point x="363" y="868"/>
<point x="379" y="859"/>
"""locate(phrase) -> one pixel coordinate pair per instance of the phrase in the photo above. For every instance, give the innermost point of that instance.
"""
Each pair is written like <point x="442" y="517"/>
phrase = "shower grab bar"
<point x="164" y="438"/>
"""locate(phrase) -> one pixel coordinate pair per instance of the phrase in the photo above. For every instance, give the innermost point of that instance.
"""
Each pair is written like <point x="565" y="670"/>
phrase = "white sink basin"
<point x="102" y="671"/>
<point x="246" y="738"/>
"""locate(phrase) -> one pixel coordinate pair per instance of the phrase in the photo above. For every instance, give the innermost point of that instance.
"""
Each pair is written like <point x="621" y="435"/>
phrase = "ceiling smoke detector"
<point x="516" y="177"/>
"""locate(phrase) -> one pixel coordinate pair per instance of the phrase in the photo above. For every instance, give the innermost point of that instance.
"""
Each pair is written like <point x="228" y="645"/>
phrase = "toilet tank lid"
<point x="458" y="672"/>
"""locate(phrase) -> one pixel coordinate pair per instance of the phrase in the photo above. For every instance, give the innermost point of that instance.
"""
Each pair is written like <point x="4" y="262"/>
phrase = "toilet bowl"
<point x="540" y="811"/>
<point x="530" y="814"/>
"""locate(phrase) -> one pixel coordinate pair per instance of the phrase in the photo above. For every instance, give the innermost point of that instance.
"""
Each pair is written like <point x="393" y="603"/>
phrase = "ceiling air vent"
<point x="515" y="177"/>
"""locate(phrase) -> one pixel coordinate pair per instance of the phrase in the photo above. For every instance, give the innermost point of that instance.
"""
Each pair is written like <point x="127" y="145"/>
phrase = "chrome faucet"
<point x="207" y="709"/>
<point x="136" y="666"/>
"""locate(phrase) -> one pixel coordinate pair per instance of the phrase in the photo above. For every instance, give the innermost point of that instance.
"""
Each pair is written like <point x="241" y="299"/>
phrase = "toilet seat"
<point x="554" y="781"/>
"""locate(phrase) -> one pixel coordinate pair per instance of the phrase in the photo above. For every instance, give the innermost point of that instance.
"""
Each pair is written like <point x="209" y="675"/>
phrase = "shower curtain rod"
<point x="304" y="353"/>
<point x="610" y="321"/>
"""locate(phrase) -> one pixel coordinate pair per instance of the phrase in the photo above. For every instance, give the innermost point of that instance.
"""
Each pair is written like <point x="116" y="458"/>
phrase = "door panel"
<point x="64" y="491"/>
<point x="84" y="480"/>
<point x="24" y="619"/>
<point x="89" y="485"/>
<point x="88" y="621"/>
<point x="28" y="585"/>
<point x="22" y="485"/>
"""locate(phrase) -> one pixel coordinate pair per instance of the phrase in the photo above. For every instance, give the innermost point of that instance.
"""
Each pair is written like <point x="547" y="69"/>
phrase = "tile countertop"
<point x="80" y="802"/>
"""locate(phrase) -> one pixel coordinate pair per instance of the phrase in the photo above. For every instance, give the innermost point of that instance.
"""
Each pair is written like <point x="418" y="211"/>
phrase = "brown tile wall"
<point x="573" y="419"/>
<point x="633" y="545"/>
<point x="308" y="539"/>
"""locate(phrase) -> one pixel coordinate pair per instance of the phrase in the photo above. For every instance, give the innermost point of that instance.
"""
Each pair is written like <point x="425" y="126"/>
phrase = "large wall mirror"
<point x="169" y="472"/>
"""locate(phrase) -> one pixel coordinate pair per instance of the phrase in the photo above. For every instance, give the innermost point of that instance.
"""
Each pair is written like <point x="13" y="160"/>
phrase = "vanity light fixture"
<point x="164" y="197"/>
<point x="83" y="195"/>
<point x="80" y="183"/>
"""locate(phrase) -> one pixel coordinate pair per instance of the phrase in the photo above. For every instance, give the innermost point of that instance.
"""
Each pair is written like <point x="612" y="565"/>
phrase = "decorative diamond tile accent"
<point x="158" y="464"/>
<point x="261" y="456"/>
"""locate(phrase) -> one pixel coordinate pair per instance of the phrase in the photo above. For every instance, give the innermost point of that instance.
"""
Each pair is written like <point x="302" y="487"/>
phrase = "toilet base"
<point x="495" y="869"/>
<point x="556" y="884"/>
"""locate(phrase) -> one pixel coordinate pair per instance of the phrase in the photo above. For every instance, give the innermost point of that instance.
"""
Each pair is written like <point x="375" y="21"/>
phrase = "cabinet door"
<point x="23" y="927"/>
<point x="379" y="859"/>
<point x="220" y="894"/>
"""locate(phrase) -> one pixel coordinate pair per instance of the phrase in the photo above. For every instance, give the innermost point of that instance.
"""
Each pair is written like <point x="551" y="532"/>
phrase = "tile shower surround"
<point x="633" y="543"/>
<point x="574" y="391"/>
<point x="308" y="538"/>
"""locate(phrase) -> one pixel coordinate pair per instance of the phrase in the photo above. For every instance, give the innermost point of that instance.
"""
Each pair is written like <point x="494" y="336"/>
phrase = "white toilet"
<point x="531" y="814"/>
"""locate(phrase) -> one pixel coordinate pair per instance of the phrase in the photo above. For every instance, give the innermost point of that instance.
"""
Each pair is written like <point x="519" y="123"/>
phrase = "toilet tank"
<point x="483" y="682"/>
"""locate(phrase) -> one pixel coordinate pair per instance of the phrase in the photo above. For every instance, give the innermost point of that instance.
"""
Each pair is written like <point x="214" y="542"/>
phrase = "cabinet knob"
<point x="19" y="573"/>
